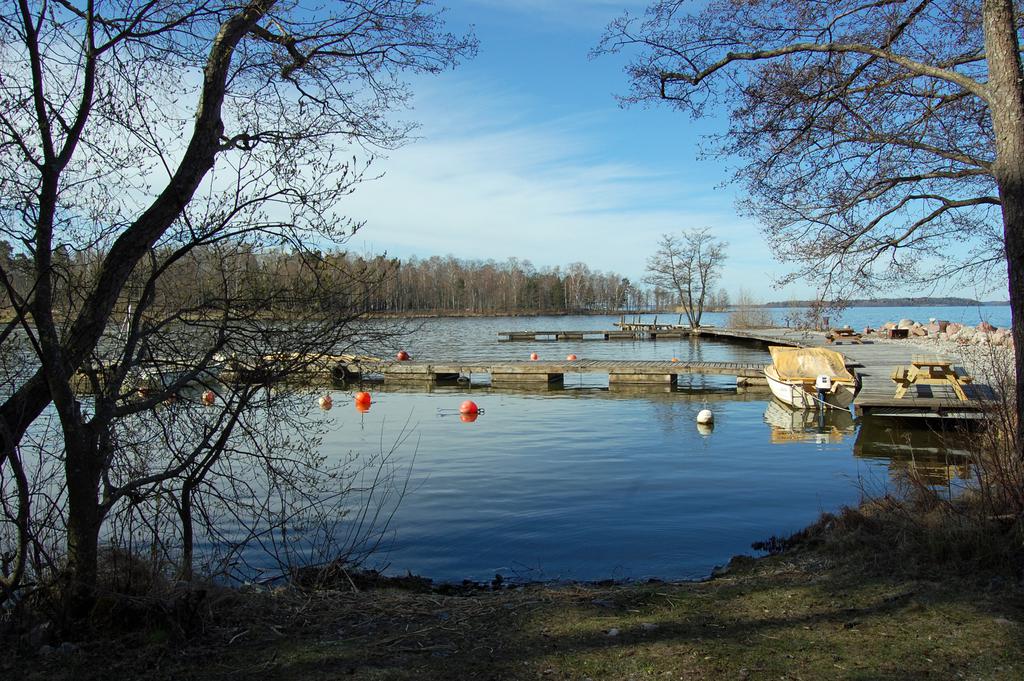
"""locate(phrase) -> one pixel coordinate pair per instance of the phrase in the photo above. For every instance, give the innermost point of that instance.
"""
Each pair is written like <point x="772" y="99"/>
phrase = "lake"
<point x="583" y="483"/>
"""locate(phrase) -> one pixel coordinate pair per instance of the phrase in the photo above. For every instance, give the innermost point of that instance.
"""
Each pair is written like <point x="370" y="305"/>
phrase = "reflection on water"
<point x="935" y="456"/>
<point x="907" y="447"/>
<point x="803" y="425"/>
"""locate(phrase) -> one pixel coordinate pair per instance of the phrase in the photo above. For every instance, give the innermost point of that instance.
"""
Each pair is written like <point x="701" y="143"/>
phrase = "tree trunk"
<point x="83" y="530"/>
<point x="1006" y="102"/>
<point x="187" y="534"/>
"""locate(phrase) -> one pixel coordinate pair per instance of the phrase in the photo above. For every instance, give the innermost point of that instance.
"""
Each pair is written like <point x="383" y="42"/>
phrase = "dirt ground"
<point x="794" y="616"/>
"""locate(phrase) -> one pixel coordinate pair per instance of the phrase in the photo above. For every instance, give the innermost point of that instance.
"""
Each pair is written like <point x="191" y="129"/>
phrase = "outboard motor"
<point x="823" y="384"/>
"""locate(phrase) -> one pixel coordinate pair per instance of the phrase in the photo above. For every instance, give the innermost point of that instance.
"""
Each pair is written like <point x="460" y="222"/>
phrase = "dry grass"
<point x="796" y="616"/>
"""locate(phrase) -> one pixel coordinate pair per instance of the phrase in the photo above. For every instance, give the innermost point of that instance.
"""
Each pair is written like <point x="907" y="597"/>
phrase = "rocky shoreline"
<point x="941" y="330"/>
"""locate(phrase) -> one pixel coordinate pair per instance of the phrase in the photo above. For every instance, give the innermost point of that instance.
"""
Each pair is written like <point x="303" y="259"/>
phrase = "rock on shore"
<point x="982" y="334"/>
<point x="984" y="350"/>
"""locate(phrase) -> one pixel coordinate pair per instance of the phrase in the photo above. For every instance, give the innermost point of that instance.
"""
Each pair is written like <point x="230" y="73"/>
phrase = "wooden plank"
<point x="615" y="377"/>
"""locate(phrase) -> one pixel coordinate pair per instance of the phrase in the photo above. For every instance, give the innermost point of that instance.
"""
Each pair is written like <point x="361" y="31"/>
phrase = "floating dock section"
<point x="536" y="373"/>
<point x="648" y="332"/>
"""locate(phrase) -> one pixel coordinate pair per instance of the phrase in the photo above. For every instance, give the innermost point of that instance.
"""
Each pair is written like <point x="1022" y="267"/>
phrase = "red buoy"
<point x="469" y="407"/>
<point x="362" y="407"/>
<point x="326" y="402"/>
<point x="402" y="356"/>
<point x="363" y="398"/>
<point x="469" y="418"/>
<point x="209" y="397"/>
<point x="534" y="356"/>
<point x="571" y="358"/>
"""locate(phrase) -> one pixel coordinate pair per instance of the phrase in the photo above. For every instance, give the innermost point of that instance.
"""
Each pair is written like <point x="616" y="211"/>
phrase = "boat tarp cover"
<point x="806" y="364"/>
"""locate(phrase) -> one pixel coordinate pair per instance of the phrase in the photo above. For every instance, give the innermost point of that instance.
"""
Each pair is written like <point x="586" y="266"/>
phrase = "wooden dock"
<point x="535" y="373"/>
<point x="873" y="363"/>
<point x="651" y="332"/>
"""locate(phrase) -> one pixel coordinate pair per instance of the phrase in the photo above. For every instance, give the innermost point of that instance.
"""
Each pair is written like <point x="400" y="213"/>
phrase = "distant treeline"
<point x="238" y="276"/>
<point x="451" y="284"/>
<point x="893" y="302"/>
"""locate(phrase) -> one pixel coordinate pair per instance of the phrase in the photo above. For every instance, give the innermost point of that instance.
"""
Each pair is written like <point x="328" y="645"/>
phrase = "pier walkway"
<point x="534" y="373"/>
<point x="873" y="362"/>
<point x="656" y="332"/>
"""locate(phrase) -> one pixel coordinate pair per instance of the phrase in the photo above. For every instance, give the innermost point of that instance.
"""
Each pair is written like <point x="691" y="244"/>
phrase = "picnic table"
<point x="930" y="370"/>
<point x="838" y="335"/>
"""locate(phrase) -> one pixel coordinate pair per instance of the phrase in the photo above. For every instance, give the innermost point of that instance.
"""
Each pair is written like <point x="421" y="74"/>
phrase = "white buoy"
<point x="705" y="416"/>
<point x="705" y="429"/>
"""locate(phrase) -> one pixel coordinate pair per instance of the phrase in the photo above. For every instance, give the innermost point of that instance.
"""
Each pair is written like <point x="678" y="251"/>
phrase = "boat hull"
<point x="801" y="395"/>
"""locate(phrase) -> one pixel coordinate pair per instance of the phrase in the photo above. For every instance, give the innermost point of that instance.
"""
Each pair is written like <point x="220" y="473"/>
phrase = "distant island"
<point x="897" y="302"/>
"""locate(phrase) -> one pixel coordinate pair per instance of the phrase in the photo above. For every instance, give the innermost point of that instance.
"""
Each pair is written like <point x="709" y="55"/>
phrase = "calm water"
<point x="586" y="483"/>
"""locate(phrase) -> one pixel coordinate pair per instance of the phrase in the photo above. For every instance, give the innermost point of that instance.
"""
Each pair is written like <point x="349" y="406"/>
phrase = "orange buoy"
<point x="209" y="397"/>
<point x="571" y="358"/>
<point x="325" y="402"/>
<point x="362" y="407"/>
<point x="675" y="359"/>
<point x="363" y="398"/>
<point x="534" y="356"/>
<point x="469" y="407"/>
<point x="469" y="418"/>
<point x="402" y="356"/>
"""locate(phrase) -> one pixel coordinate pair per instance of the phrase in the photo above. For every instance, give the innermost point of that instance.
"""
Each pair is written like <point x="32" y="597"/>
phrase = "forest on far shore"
<point x="281" y="279"/>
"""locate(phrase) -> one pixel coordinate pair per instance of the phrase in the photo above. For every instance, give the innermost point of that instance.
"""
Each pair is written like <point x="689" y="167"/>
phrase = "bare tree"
<point x="721" y="300"/>
<point x="149" y="131"/>
<point x="689" y="266"/>
<point x="883" y="142"/>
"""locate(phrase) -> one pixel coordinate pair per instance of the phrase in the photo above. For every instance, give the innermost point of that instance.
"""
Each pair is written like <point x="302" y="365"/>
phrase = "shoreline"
<point x="804" y="613"/>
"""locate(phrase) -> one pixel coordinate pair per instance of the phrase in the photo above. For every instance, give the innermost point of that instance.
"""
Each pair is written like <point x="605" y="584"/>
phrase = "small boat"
<point x="794" y="373"/>
<point x="178" y="373"/>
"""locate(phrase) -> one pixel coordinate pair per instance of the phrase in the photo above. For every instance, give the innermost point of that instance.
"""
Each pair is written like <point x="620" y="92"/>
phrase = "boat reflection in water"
<point x="911" y="449"/>
<point x="824" y="426"/>
<point x="934" y="457"/>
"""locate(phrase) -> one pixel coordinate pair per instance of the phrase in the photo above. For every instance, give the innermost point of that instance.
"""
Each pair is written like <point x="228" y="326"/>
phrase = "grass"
<point x="797" y="615"/>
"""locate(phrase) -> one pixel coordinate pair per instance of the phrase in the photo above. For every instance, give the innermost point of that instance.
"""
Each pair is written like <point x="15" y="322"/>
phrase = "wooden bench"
<point x="931" y="371"/>
<point x="900" y="374"/>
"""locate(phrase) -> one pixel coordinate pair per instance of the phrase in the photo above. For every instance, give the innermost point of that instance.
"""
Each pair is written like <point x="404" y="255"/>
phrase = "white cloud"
<point x="574" y="12"/>
<point x="484" y="183"/>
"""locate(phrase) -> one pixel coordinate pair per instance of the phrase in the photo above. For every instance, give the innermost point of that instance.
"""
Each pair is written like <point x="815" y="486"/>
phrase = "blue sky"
<point x="524" y="152"/>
